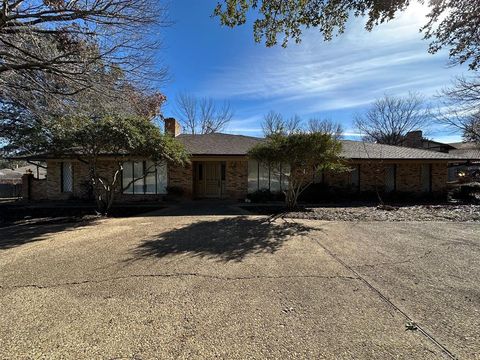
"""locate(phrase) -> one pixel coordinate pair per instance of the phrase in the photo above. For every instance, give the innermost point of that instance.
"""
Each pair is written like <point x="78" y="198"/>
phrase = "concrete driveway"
<point x="239" y="287"/>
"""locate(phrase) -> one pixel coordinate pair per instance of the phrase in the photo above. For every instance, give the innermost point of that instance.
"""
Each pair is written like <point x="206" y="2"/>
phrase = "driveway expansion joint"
<point x="178" y="275"/>
<point x="383" y="297"/>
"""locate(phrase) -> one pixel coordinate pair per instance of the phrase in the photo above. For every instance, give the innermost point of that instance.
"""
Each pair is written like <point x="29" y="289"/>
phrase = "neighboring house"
<point x="415" y="139"/>
<point x="468" y="152"/>
<point x="220" y="168"/>
<point x="11" y="179"/>
<point x="465" y="171"/>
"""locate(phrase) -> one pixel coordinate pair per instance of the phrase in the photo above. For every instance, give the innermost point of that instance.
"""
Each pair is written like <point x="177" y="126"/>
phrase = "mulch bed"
<point x="402" y="213"/>
<point x="370" y="212"/>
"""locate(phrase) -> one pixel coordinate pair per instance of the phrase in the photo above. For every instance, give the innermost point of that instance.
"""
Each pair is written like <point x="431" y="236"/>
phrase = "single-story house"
<point x="220" y="168"/>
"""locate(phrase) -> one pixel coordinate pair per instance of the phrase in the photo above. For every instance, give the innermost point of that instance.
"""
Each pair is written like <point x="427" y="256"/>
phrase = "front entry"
<point x="208" y="179"/>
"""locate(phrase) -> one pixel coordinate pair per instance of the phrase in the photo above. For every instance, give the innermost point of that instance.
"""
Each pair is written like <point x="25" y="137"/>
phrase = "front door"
<point x="208" y="179"/>
<point x="212" y="179"/>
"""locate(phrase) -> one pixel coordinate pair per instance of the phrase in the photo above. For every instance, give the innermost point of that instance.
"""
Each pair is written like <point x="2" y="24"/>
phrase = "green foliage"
<point x="300" y="150"/>
<point x="131" y="136"/>
<point x="265" y="195"/>
<point x="305" y="153"/>
<point x="119" y="137"/>
<point x="452" y="24"/>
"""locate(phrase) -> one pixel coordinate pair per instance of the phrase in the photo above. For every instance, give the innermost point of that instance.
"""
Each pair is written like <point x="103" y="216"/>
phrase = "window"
<point x="137" y="174"/>
<point x="200" y="172"/>
<point x="275" y="178"/>
<point x="355" y="177"/>
<point x="252" y="176"/>
<point x="150" y="178"/>
<point x="261" y="176"/>
<point x="390" y="178"/>
<point x="223" y="171"/>
<point x="426" y="177"/>
<point x="67" y="177"/>
<point x="284" y="179"/>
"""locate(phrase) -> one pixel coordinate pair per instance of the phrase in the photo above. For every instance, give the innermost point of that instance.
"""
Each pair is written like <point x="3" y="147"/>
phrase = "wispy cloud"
<point x="351" y="71"/>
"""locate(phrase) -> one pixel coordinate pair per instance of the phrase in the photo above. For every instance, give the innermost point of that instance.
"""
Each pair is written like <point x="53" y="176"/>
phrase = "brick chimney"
<point x="172" y="127"/>
<point x="414" y="139"/>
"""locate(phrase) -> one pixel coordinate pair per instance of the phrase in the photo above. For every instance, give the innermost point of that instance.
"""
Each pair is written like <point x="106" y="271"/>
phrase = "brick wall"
<point x="439" y="177"/>
<point x="408" y="177"/>
<point x="82" y="181"/>
<point x="372" y="176"/>
<point x="181" y="177"/>
<point x="33" y="189"/>
<point x="236" y="179"/>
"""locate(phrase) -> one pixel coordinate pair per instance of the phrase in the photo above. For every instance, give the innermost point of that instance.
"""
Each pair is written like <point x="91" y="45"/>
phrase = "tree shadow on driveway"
<point x="20" y="234"/>
<point x="228" y="239"/>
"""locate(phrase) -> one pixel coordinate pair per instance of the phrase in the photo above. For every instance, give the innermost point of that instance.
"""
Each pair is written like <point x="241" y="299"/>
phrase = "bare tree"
<point x="461" y="109"/>
<point x="202" y="116"/>
<point x="390" y="118"/>
<point x="67" y="40"/>
<point x="326" y="126"/>
<point x="275" y="123"/>
<point x="28" y="117"/>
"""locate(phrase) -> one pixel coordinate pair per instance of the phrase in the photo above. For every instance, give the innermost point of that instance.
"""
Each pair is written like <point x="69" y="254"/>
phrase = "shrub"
<point x="467" y="192"/>
<point x="175" y="191"/>
<point x="265" y="195"/>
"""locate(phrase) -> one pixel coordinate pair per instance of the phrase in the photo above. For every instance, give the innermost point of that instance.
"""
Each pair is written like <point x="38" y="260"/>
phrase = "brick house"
<point x="220" y="168"/>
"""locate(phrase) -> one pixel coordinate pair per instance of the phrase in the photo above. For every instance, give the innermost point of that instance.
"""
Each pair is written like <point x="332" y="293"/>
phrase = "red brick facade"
<point x="371" y="175"/>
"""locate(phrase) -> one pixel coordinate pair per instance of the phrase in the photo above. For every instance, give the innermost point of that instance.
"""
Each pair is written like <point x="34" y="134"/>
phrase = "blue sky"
<point x="335" y="80"/>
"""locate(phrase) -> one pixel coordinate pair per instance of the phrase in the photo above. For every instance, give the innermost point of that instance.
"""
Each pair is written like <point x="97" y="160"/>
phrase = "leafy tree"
<point x="390" y="118"/>
<point x="202" y="116"/>
<point x="297" y="155"/>
<point x="462" y="107"/>
<point x="452" y="24"/>
<point x="120" y="137"/>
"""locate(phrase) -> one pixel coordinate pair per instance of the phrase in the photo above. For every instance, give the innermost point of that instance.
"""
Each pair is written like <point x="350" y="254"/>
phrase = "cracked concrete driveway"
<point x="239" y="287"/>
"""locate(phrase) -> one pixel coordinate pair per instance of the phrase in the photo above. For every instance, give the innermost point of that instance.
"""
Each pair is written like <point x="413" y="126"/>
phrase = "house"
<point x="468" y="152"/>
<point x="466" y="171"/>
<point x="11" y="179"/>
<point x="220" y="168"/>
<point x="415" y="139"/>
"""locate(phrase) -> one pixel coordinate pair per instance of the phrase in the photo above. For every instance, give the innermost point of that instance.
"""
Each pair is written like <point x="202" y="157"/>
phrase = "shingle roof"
<point x="227" y="144"/>
<point x="230" y="145"/>
<point x="464" y="145"/>
<point x="471" y="154"/>
<point x="218" y="144"/>
<point x="362" y="150"/>
<point x="467" y="150"/>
